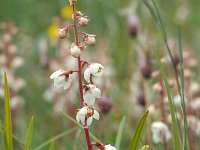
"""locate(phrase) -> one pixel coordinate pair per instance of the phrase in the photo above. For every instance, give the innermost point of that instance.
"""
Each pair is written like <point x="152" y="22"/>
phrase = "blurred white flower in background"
<point x="160" y="132"/>
<point x="195" y="104"/>
<point x="86" y="115"/>
<point x="194" y="124"/>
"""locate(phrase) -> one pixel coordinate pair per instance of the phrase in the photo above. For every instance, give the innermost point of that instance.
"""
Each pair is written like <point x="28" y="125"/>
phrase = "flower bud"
<point x="62" y="33"/>
<point x="89" y="40"/>
<point x="133" y="25"/>
<point x="83" y="21"/>
<point x="75" y="51"/>
<point x="71" y="2"/>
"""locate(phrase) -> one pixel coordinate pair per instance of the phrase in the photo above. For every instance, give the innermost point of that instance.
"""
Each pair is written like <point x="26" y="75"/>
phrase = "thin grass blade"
<point x="119" y="133"/>
<point x="41" y="146"/>
<point x="138" y="132"/>
<point x="51" y="145"/>
<point x="29" y="135"/>
<point x="8" y="141"/>
<point x="175" y="126"/>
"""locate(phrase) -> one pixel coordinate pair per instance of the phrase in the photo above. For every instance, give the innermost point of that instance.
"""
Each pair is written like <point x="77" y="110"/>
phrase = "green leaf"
<point x="119" y="133"/>
<point x="8" y="143"/>
<point x="55" y="138"/>
<point x="29" y="135"/>
<point x="51" y="145"/>
<point x="80" y="126"/>
<point x="138" y="132"/>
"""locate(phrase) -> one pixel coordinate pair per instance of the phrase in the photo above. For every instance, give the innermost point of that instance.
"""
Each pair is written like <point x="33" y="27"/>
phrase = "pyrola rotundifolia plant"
<point x="88" y="92"/>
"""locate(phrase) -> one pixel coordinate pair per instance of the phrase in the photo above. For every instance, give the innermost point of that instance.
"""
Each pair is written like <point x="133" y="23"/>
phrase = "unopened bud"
<point x="83" y="21"/>
<point x="90" y="40"/>
<point x="75" y="51"/>
<point x="71" y="2"/>
<point x="62" y="33"/>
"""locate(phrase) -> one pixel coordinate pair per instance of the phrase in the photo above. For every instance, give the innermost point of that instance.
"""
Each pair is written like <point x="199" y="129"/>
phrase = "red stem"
<point x="87" y="135"/>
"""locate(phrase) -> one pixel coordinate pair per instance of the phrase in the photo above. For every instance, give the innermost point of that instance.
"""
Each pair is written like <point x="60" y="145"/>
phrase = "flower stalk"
<point x="86" y="130"/>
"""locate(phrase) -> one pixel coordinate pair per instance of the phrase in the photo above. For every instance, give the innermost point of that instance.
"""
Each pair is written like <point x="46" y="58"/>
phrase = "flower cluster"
<point x="10" y="61"/>
<point x="89" y="92"/>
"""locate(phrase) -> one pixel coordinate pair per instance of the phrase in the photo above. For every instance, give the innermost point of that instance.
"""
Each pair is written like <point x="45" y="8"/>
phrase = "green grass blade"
<point x="8" y="143"/>
<point x="175" y="126"/>
<point x="29" y="135"/>
<point x="138" y="132"/>
<point x="51" y="145"/>
<point x="185" y="135"/>
<point x="80" y="126"/>
<point x="119" y="133"/>
<point x="54" y="138"/>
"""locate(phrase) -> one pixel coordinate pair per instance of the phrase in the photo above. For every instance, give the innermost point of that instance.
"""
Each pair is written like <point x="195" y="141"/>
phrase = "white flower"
<point x="61" y="80"/>
<point x="86" y="115"/>
<point x="109" y="147"/>
<point x="195" y="104"/>
<point x="75" y="50"/>
<point x="160" y="132"/>
<point x="94" y="69"/>
<point x="90" y="93"/>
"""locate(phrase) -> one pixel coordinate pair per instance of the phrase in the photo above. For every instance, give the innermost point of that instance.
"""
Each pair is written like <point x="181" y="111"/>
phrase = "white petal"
<point x="59" y="81"/>
<point x="87" y="75"/>
<point x="56" y="74"/>
<point x="68" y="83"/>
<point x="83" y="120"/>
<point x="96" y="69"/>
<point x="96" y="92"/>
<point x="78" y="117"/>
<point x="96" y="115"/>
<point x="109" y="147"/>
<point x="89" y="121"/>
<point x="89" y="98"/>
<point x="83" y="111"/>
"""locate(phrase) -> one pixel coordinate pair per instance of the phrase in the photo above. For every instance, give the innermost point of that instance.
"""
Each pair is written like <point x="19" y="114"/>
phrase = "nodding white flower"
<point x="89" y="40"/>
<point x="83" y="21"/>
<point x="62" y="33"/>
<point x="160" y="132"/>
<point x="86" y="115"/>
<point x="75" y="50"/>
<point x="109" y="147"/>
<point x="61" y="80"/>
<point x="71" y="2"/>
<point x="94" y="69"/>
<point x="90" y="93"/>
